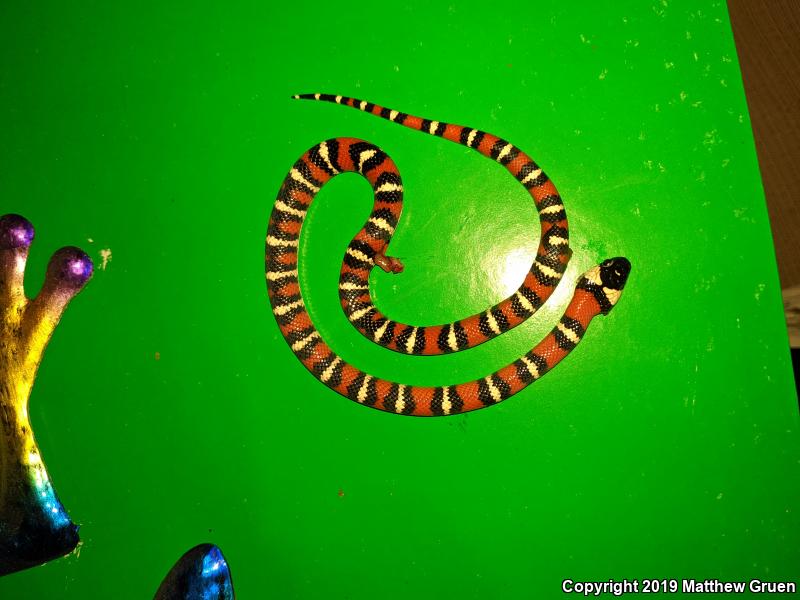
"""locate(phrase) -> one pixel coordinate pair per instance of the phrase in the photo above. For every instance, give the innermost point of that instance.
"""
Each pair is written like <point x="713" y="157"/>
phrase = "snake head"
<point x="614" y="272"/>
<point x="606" y="281"/>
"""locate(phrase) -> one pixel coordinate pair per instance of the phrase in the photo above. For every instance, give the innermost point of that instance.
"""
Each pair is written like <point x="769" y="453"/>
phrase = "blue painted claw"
<point x="200" y="574"/>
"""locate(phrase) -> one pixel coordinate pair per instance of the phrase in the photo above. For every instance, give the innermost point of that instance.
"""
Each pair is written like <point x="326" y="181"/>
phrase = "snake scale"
<point x="596" y="291"/>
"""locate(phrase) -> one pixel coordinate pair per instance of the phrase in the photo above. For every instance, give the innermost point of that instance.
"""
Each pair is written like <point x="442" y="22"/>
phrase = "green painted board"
<point x="666" y="445"/>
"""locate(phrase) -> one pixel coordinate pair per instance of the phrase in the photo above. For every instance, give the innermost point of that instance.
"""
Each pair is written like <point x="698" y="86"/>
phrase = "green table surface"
<point x="171" y="412"/>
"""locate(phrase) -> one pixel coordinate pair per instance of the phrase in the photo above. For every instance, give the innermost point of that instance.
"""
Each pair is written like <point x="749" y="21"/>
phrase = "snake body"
<point x="596" y="291"/>
<point x="368" y="247"/>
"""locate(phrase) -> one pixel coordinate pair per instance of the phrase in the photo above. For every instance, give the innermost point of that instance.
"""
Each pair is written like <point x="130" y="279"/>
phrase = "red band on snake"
<point x="596" y="291"/>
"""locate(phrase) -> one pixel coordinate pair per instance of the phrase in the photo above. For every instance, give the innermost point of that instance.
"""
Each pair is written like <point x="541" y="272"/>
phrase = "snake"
<point x="596" y="291"/>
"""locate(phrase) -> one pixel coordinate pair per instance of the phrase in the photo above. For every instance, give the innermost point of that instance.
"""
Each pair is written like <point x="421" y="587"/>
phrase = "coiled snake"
<point x="596" y="291"/>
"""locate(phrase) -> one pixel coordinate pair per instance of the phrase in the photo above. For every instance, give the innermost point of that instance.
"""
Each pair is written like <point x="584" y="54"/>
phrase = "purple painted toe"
<point x="15" y="232"/>
<point x="70" y="267"/>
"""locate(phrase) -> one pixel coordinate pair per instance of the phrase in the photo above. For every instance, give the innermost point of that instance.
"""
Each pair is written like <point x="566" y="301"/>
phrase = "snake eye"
<point x="614" y="272"/>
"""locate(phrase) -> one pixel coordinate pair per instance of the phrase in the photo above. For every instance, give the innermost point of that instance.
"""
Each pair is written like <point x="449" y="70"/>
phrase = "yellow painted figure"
<point x="34" y="527"/>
